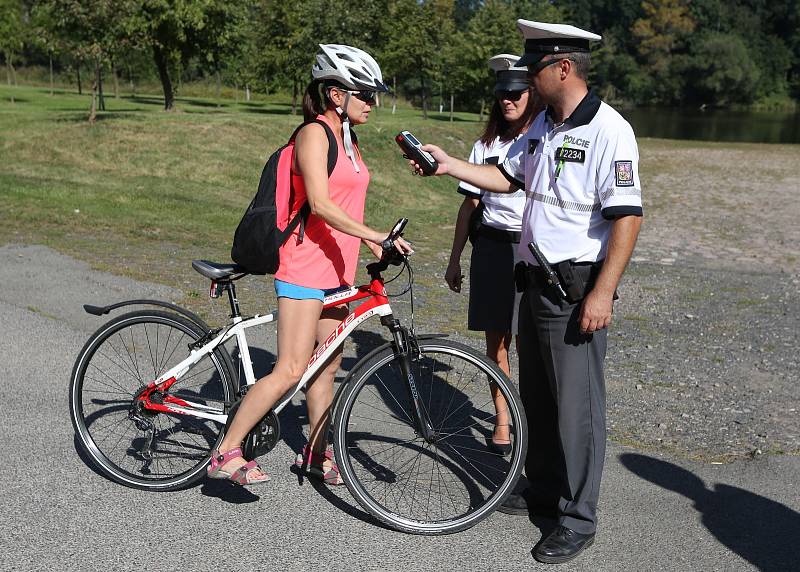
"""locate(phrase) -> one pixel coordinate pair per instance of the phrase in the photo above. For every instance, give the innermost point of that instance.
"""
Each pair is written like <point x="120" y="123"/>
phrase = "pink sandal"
<point x="240" y="475"/>
<point x="313" y="465"/>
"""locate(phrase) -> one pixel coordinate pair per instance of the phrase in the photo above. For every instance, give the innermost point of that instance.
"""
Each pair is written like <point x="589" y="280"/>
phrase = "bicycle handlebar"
<point x="391" y="255"/>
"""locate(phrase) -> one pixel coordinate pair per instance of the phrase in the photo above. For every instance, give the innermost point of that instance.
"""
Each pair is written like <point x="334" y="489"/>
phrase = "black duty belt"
<point x="577" y="277"/>
<point x="498" y="234"/>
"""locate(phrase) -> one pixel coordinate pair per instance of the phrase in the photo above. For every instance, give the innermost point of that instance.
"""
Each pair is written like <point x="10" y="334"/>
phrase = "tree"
<point x="12" y="35"/>
<point x="661" y="35"/>
<point x="43" y="33"/>
<point x="723" y="72"/>
<point x="94" y="27"/>
<point x="175" y="31"/>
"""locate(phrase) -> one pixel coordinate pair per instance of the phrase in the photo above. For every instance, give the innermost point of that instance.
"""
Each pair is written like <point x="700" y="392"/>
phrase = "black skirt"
<point x="493" y="299"/>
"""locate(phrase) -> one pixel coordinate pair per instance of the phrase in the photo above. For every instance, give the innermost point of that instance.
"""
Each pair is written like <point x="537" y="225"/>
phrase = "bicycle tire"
<point x="118" y="360"/>
<point x="380" y="455"/>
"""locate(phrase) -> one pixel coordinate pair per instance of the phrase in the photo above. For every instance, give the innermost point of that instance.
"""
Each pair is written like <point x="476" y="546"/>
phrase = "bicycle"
<point x="152" y="390"/>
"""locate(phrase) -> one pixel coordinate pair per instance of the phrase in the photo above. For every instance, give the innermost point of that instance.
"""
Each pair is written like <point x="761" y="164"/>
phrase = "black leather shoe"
<point x="562" y="545"/>
<point x="518" y="504"/>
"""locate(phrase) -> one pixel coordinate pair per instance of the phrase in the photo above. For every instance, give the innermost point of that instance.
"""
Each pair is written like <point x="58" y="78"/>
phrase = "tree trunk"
<point x="130" y="80"/>
<point x="394" y="94"/>
<point x="78" y="73"/>
<point x="424" y="97"/>
<point x="93" y="108"/>
<point x="101" y="100"/>
<point x="9" y="67"/>
<point x="116" y="79"/>
<point x="294" y="95"/>
<point x="483" y="103"/>
<point x="247" y="92"/>
<point x="219" y="87"/>
<point x="50" y="55"/>
<point x="163" y="73"/>
<point x="451" y="106"/>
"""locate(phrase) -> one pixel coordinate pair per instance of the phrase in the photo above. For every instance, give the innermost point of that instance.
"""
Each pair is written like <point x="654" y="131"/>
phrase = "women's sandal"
<point x="503" y="449"/>
<point x="313" y="465"/>
<point x="241" y="475"/>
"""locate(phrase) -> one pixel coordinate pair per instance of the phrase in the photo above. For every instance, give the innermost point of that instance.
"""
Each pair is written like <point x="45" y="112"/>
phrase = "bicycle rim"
<point x="425" y="487"/>
<point x="117" y="362"/>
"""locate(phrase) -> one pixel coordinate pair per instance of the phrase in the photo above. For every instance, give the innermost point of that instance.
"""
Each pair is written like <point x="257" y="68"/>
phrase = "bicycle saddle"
<point x="217" y="270"/>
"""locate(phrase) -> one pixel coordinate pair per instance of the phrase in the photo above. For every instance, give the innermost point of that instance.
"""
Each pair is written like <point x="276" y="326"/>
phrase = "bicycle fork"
<point x="404" y="345"/>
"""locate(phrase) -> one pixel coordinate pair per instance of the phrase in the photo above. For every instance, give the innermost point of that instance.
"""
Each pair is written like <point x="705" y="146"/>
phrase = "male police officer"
<point x="578" y="165"/>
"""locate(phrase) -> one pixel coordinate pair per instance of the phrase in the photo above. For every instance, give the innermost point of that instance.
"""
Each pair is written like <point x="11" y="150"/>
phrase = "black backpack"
<point x="259" y="237"/>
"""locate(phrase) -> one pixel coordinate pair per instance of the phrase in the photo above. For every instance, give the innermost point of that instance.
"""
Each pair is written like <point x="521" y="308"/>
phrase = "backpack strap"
<point x="333" y="155"/>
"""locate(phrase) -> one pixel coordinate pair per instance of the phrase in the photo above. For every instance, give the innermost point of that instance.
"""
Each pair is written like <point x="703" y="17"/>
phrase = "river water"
<point x="715" y="125"/>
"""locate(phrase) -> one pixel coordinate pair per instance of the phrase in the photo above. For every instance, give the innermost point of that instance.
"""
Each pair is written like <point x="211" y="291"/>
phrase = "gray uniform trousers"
<point x="563" y="390"/>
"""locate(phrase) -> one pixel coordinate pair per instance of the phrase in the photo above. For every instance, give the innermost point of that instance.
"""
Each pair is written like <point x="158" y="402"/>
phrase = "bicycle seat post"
<point x="230" y="288"/>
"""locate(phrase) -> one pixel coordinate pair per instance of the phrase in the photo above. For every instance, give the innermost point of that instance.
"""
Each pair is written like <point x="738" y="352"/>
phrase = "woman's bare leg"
<point x="497" y="344"/>
<point x="297" y="330"/>
<point x="319" y="393"/>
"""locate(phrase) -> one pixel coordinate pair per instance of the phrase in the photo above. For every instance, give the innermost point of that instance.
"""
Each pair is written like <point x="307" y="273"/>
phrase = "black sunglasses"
<point x="537" y="67"/>
<point x="510" y="95"/>
<point x="367" y="97"/>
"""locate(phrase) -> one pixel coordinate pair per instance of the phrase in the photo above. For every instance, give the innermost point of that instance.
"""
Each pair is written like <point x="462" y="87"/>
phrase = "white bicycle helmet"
<point x="351" y="67"/>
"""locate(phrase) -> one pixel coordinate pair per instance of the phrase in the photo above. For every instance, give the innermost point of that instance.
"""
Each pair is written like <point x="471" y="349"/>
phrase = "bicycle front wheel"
<point x="141" y="448"/>
<point x="442" y="485"/>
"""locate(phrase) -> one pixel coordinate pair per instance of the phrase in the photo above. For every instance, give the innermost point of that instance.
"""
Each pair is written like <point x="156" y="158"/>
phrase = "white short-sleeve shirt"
<point x="578" y="176"/>
<point x="502" y="210"/>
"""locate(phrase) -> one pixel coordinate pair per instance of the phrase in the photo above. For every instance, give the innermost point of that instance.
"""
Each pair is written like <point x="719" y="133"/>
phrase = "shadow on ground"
<point x="760" y="530"/>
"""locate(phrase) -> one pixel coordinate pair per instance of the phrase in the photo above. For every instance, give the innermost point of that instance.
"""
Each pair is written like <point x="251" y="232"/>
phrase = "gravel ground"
<point x="700" y="361"/>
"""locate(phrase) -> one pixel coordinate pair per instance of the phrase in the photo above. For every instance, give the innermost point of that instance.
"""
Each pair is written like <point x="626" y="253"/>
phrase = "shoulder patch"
<point x="532" y="145"/>
<point x="624" y="173"/>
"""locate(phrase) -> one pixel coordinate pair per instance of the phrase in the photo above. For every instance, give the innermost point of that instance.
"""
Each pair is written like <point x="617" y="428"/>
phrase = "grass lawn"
<point x="142" y="192"/>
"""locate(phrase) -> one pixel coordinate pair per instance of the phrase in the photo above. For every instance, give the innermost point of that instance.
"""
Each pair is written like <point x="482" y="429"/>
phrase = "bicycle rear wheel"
<point x="146" y="449"/>
<point x="406" y="482"/>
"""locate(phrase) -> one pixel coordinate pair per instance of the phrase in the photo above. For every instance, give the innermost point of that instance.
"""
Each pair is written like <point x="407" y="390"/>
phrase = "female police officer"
<point x="493" y="223"/>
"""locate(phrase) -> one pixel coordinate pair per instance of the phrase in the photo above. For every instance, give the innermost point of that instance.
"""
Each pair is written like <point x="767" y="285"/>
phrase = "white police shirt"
<point x="502" y="210"/>
<point x="578" y="176"/>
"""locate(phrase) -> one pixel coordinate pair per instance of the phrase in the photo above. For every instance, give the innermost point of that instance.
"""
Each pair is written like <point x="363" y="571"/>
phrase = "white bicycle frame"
<point x="378" y="305"/>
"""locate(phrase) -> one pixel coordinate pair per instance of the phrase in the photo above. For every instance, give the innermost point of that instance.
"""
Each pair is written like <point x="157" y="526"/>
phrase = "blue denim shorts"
<point x="295" y="292"/>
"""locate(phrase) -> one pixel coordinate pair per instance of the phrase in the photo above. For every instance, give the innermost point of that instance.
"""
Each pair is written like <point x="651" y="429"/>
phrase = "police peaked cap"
<point x="542" y="39"/>
<point x="509" y="76"/>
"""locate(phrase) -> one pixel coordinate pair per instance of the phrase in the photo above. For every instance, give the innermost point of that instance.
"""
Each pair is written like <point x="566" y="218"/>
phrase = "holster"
<point x="577" y="278"/>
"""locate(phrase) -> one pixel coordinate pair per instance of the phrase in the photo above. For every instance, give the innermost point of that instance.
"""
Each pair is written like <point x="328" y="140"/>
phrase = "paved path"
<point x="656" y="513"/>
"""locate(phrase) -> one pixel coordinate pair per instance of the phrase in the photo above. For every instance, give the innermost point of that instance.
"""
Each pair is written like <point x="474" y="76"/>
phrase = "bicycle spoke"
<point x="135" y="345"/>
<point x="445" y="484"/>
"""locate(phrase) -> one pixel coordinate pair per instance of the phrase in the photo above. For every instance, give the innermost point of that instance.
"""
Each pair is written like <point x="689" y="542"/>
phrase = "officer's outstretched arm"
<point x="487" y="177"/>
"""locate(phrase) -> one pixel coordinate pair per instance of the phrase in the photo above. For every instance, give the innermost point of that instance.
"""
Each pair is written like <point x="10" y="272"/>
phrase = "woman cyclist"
<point x="342" y="92"/>
<point x="492" y="221"/>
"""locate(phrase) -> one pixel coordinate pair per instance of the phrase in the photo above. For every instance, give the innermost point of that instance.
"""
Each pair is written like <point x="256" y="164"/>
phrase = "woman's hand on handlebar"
<point x="375" y="248"/>
<point x="441" y="157"/>
<point x="403" y="246"/>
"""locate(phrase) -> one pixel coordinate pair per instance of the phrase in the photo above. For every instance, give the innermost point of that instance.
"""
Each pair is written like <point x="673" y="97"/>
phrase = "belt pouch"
<point x="573" y="280"/>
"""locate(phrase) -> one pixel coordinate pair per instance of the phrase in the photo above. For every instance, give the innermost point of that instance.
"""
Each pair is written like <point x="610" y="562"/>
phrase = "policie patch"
<point x="624" y="173"/>
<point x="570" y="155"/>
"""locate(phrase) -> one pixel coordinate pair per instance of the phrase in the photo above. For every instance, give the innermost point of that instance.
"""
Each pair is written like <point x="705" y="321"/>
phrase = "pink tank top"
<point x="326" y="258"/>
